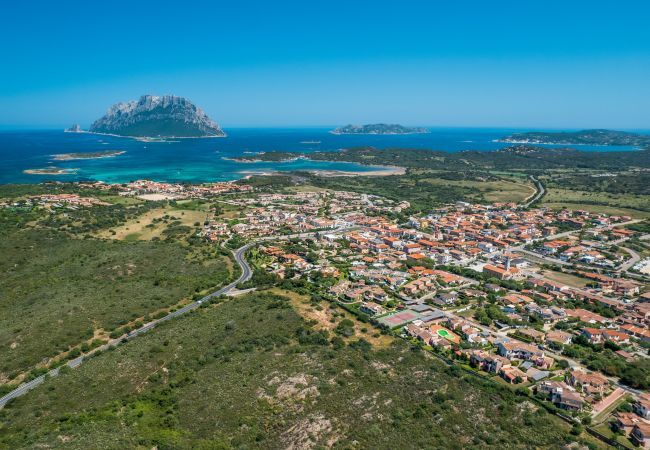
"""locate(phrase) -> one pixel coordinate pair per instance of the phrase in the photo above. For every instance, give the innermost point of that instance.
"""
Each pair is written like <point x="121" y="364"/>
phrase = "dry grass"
<point x="327" y="318"/>
<point x="565" y="278"/>
<point x="144" y="229"/>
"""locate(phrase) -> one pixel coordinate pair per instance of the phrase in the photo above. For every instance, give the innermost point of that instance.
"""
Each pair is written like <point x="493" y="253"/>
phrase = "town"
<point x="545" y="301"/>
<point x="518" y="295"/>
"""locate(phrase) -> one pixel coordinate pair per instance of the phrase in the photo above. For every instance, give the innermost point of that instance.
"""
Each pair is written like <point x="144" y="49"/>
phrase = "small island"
<point x="73" y="129"/>
<point x="583" y="137"/>
<point x="88" y="155"/>
<point x="51" y="171"/>
<point x="379" y="128"/>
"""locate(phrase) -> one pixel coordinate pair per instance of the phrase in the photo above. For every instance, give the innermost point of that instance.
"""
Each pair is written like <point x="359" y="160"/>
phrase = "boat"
<point x="310" y="142"/>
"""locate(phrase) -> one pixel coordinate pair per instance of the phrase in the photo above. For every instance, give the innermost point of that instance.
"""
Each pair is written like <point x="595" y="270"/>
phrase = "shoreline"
<point x="331" y="173"/>
<point x="146" y="138"/>
<point x="501" y="141"/>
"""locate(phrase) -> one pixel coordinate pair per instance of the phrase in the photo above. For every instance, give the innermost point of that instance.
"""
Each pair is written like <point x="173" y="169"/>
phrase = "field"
<point x="492" y="191"/>
<point x="565" y="278"/>
<point x="59" y="291"/>
<point x="251" y="373"/>
<point x="154" y="222"/>
<point x="629" y="204"/>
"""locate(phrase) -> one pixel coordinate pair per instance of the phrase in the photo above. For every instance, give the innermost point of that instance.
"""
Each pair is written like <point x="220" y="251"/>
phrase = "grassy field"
<point x="565" y="278"/>
<point x="493" y="191"/>
<point x="596" y="209"/>
<point x="153" y="223"/>
<point x="251" y="373"/>
<point x="58" y="291"/>
<point x="639" y="205"/>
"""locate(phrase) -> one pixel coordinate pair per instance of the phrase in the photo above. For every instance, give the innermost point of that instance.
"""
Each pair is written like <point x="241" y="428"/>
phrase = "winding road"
<point x="246" y="274"/>
<point x="539" y="194"/>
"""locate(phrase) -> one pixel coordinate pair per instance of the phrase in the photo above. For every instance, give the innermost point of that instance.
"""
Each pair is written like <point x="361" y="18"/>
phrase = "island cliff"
<point x="153" y="116"/>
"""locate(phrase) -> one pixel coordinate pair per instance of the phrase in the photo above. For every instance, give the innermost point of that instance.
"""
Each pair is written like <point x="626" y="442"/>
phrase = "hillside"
<point x="230" y="376"/>
<point x="583" y="137"/>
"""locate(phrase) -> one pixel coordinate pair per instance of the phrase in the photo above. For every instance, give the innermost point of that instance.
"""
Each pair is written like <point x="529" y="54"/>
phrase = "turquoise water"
<point x="204" y="160"/>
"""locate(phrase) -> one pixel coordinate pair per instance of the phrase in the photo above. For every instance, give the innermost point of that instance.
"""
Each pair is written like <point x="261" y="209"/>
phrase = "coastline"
<point x="568" y="144"/>
<point x="331" y="173"/>
<point x="146" y="138"/>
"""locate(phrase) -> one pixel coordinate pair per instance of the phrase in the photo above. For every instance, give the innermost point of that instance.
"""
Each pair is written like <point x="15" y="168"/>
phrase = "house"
<point x="589" y="383"/>
<point x="371" y="308"/>
<point x="601" y="335"/>
<point x="558" y="337"/>
<point x="562" y="395"/>
<point x="642" y="406"/>
<point x="640" y="434"/>
<point x="446" y="298"/>
<point x="519" y="350"/>
<point x="487" y="361"/>
<point x="532" y="334"/>
<point x="513" y="375"/>
<point x="626" y="421"/>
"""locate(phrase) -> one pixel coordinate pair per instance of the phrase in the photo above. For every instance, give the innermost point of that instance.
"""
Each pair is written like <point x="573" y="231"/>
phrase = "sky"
<point x="525" y="64"/>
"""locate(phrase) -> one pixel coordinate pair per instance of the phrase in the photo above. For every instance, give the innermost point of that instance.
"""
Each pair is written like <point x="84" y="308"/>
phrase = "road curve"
<point x="246" y="274"/>
<point x="539" y="187"/>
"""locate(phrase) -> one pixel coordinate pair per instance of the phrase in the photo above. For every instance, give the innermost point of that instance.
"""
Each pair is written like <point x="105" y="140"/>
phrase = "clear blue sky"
<point x="525" y="63"/>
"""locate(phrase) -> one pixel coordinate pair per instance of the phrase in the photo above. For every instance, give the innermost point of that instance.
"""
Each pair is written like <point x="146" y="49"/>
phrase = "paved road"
<point x="634" y="258"/>
<point x="539" y="194"/>
<point x="246" y="274"/>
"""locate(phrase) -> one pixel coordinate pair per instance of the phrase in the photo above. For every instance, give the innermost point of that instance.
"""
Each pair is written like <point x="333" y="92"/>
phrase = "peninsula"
<point x="157" y="117"/>
<point x="583" y="137"/>
<point x="378" y="128"/>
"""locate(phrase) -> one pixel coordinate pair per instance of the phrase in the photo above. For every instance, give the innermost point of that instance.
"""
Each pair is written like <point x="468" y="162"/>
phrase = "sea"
<point x="211" y="159"/>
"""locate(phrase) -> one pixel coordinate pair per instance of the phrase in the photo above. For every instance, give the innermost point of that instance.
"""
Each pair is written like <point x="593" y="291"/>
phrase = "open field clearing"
<point x="153" y="223"/>
<point x="565" y="278"/>
<point x="493" y="191"/>
<point x="590" y="201"/>
<point x="612" y="210"/>
<point x="328" y="317"/>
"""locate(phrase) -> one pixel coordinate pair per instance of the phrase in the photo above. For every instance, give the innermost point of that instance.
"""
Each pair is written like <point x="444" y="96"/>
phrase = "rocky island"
<point x="378" y="128"/>
<point x="157" y="117"/>
<point x="74" y="129"/>
<point x="583" y="137"/>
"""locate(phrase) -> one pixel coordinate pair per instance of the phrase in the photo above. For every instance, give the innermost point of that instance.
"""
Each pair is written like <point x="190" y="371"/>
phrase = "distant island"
<point x="583" y="137"/>
<point x="50" y="171"/>
<point x="88" y="155"/>
<point x="157" y="117"/>
<point x="378" y="128"/>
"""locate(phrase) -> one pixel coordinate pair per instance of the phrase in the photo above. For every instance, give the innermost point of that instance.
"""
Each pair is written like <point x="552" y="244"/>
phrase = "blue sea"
<point x="205" y="160"/>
